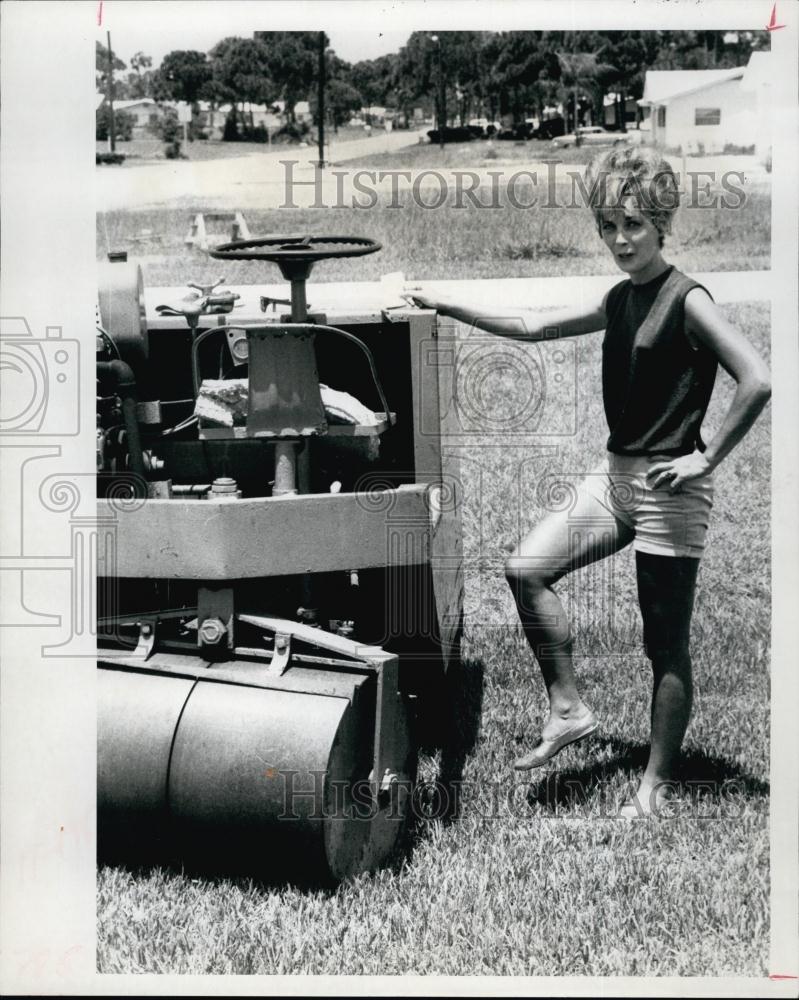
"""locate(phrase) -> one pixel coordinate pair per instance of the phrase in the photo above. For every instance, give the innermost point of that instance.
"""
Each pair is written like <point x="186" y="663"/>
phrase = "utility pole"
<point x="110" y="97"/>
<point x="442" y="97"/>
<point x="576" y="64"/>
<point x="321" y="101"/>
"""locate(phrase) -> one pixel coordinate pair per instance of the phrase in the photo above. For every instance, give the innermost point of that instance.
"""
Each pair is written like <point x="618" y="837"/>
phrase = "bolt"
<point x="211" y="631"/>
<point x="225" y="488"/>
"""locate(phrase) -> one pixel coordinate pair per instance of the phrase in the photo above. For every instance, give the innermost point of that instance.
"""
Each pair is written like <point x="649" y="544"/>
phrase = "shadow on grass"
<point x="699" y="776"/>
<point x="451" y="727"/>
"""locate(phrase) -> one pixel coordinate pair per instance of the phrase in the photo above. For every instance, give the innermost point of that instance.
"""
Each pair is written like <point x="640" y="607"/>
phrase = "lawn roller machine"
<point x="280" y="588"/>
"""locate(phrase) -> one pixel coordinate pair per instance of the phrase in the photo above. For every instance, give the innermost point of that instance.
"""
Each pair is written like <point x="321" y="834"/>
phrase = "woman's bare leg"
<point x="561" y="543"/>
<point x="666" y="586"/>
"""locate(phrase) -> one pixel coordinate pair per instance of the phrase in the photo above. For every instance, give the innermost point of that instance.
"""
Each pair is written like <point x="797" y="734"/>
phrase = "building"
<point x="144" y="111"/>
<point x="709" y="110"/>
<point x="757" y="80"/>
<point x="610" y="113"/>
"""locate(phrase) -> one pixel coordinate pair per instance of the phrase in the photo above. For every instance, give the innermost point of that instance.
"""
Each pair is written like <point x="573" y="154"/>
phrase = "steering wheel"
<point x="305" y="248"/>
<point x="296" y="255"/>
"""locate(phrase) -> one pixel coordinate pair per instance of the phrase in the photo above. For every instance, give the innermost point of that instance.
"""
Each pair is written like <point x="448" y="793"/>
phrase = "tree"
<point x="708" y="49"/>
<point x="584" y="72"/>
<point x="139" y="83"/>
<point x="375" y="79"/>
<point x="519" y="61"/>
<point x="632" y="53"/>
<point x="240" y="72"/>
<point x="101" y="66"/>
<point x="341" y="100"/>
<point x="123" y="124"/>
<point x="184" y="74"/>
<point x="291" y="59"/>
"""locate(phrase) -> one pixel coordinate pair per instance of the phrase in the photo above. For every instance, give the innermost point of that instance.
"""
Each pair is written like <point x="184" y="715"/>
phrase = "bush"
<point x="293" y="132"/>
<point x="172" y="151"/>
<point x="230" y="132"/>
<point x="454" y="134"/>
<point x="123" y="124"/>
<point x="112" y="158"/>
<point x="258" y="133"/>
<point x="165" y="125"/>
<point x="735" y="150"/>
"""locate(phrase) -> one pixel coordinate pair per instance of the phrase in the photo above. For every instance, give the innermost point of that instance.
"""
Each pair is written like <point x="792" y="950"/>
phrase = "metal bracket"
<point x="215" y="622"/>
<point x="281" y="655"/>
<point x="146" y="643"/>
<point x="385" y="666"/>
<point x="386" y="719"/>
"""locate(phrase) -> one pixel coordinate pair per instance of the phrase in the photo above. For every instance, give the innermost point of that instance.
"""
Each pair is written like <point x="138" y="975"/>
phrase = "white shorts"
<point x="665" y="523"/>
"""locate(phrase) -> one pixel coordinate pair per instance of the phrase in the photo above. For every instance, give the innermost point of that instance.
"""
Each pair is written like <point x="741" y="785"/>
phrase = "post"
<point x="576" y="130"/>
<point x="442" y="96"/>
<point x="321" y="102"/>
<point x="110" y="96"/>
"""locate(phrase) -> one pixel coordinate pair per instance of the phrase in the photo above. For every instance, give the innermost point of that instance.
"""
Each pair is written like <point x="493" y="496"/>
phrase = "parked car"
<point x="549" y="128"/>
<point x="593" y="135"/>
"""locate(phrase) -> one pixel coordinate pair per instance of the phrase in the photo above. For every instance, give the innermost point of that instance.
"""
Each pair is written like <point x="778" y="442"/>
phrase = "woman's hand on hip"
<point x="677" y="471"/>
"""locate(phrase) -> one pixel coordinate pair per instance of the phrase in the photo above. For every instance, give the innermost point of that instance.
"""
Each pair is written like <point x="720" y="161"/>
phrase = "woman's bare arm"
<point x="706" y="325"/>
<point x="523" y="324"/>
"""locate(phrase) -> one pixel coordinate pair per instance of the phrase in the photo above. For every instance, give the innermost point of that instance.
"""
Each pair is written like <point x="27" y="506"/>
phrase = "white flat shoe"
<point x="546" y="749"/>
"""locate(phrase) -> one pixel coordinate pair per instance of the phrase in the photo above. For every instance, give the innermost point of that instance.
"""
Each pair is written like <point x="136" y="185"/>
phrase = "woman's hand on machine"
<point x="422" y="299"/>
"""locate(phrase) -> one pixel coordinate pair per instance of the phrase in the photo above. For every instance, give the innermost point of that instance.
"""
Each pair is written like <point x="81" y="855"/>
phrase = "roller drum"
<point x="246" y="779"/>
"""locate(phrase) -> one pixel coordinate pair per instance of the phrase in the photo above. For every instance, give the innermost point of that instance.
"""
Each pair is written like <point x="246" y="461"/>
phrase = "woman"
<point x="664" y="337"/>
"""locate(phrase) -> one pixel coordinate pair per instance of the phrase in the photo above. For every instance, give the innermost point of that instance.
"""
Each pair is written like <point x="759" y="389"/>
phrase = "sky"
<point x="156" y="28"/>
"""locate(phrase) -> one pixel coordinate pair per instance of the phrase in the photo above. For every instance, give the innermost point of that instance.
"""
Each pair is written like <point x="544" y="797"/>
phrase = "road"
<point x="254" y="181"/>
<point x="288" y="177"/>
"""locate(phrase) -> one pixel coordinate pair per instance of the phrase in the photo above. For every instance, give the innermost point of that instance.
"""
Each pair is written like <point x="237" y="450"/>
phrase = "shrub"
<point x="257" y="133"/>
<point x="123" y="124"/>
<point x="172" y="151"/>
<point x="452" y="134"/>
<point x="165" y="125"/>
<point x="230" y="133"/>
<point x="112" y="158"/>
<point x="293" y="132"/>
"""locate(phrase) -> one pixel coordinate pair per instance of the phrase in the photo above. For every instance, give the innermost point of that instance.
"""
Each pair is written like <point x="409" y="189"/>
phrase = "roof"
<point x="758" y="71"/>
<point x="663" y="85"/>
<point x="126" y="105"/>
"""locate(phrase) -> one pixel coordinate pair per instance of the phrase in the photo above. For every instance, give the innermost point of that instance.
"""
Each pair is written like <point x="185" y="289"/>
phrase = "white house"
<point x="143" y="111"/>
<point x="697" y="110"/>
<point x="757" y="81"/>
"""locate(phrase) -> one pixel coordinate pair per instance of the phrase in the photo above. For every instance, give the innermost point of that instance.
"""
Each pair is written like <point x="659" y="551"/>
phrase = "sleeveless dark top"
<point x="656" y="387"/>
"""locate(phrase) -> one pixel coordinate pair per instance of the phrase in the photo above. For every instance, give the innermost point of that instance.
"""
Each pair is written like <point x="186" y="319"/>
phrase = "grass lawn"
<point x="450" y="242"/>
<point x="537" y="877"/>
<point x="479" y="153"/>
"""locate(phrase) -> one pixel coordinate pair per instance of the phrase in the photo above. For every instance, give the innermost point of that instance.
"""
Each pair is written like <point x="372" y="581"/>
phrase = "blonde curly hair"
<point x="634" y="172"/>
